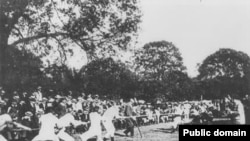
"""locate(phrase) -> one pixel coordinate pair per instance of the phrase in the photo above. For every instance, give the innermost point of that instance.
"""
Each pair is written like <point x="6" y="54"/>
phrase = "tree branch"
<point x="28" y="39"/>
<point x="19" y="32"/>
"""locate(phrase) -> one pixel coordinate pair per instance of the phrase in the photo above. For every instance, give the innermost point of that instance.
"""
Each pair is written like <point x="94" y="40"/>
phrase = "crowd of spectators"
<point x="27" y="108"/>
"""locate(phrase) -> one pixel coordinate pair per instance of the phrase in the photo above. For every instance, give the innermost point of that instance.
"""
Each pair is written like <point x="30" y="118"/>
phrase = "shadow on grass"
<point x="164" y="130"/>
<point x="120" y="135"/>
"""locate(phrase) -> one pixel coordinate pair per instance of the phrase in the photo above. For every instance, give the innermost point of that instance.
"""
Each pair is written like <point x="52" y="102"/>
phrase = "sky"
<point x="197" y="27"/>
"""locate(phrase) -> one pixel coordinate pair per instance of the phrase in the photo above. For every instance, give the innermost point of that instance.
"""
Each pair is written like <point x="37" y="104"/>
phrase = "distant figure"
<point x="246" y="102"/>
<point x="240" y="113"/>
<point x="177" y="117"/>
<point x="38" y="94"/>
<point x="128" y="112"/>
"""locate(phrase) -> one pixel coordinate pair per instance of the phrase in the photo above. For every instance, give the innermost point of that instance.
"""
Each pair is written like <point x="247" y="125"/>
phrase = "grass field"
<point x="157" y="132"/>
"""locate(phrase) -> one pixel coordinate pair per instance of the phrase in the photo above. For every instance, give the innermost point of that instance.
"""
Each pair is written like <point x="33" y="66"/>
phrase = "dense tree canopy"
<point x="49" y="26"/>
<point x="161" y="69"/>
<point x="157" y="58"/>
<point x="224" y="72"/>
<point x="108" y="77"/>
<point x="23" y="69"/>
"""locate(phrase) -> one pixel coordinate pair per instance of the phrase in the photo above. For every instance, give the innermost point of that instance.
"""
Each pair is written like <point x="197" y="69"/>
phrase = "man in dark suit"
<point x="128" y="112"/>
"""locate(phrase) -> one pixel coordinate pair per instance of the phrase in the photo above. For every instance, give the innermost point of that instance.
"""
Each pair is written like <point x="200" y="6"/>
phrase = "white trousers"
<point x="92" y="133"/>
<point x="176" y="122"/>
<point x="109" y="126"/>
<point x="65" y="136"/>
<point x="2" y="138"/>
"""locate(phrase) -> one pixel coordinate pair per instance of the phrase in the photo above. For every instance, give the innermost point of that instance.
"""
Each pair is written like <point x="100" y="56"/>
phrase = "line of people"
<point x="67" y="112"/>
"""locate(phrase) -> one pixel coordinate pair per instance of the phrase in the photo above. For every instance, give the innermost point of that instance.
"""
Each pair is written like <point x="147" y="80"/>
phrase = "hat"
<point x="2" y="102"/>
<point x="22" y="102"/>
<point x="44" y="99"/>
<point x="69" y="102"/>
<point x="16" y="97"/>
<point x="74" y="100"/>
<point x="80" y="98"/>
<point x="40" y="111"/>
<point x="51" y="100"/>
<point x="58" y="97"/>
<point x="28" y="113"/>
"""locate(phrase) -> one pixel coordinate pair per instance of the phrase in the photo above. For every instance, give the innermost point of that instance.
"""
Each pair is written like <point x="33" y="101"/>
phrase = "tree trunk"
<point x="3" y="47"/>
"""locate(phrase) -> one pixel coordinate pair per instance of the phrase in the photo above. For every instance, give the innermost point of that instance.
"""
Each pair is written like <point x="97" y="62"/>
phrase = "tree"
<point x="157" y="58"/>
<point x="154" y="63"/>
<point x="23" y="69"/>
<point x="108" y="77"/>
<point x="178" y="86"/>
<point x="226" y="71"/>
<point x="49" y="26"/>
<point x="58" y="77"/>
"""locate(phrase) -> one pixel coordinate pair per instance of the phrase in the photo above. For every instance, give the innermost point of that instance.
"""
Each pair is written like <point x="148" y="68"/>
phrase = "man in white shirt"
<point x="47" y="128"/>
<point x="107" y="118"/>
<point x="38" y="94"/>
<point x="4" y="119"/>
<point x="95" y="126"/>
<point x="66" y="121"/>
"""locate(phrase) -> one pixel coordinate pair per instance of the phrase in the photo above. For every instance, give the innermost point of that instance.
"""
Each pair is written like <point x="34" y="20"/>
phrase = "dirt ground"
<point x="158" y="132"/>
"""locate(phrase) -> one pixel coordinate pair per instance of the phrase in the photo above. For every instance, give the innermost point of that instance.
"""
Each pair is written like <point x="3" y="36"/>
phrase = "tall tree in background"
<point x="157" y="58"/>
<point x="226" y="71"/>
<point x="178" y="86"/>
<point x="154" y="62"/>
<point x="49" y="26"/>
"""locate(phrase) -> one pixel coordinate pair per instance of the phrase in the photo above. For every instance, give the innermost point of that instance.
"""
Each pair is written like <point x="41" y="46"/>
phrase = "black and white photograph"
<point x="123" y="70"/>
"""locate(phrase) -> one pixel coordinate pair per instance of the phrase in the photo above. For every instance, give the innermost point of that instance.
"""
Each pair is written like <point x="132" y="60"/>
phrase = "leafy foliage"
<point x="23" y="69"/>
<point x="157" y="58"/>
<point x="47" y="27"/>
<point x="108" y="77"/>
<point x="161" y="69"/>
<point x="226" y="72"/>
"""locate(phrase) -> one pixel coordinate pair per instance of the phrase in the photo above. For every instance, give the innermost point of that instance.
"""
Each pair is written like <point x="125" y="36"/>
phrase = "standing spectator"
<point x="24" y="97"/>
<point x="240" y="113"/>
<point x="157" y="114"/>
<point x="128" y="112"/>
<point x="43" y="104"/>
<point x="177" y="117"/>
<point x="2" y="93"/>
<point x="38" y="94"/>
<point x="246" y="102"/>
<point x="13" y="111"/>
<point x="79" y="104"/>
